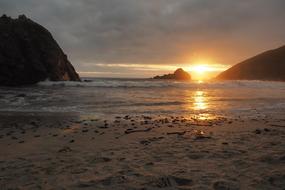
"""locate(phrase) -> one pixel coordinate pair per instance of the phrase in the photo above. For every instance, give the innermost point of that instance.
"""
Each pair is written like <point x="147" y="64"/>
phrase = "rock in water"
<point x="29" y="54"/>
<point x="179" y="74"/>
<point x="269" y="65"/>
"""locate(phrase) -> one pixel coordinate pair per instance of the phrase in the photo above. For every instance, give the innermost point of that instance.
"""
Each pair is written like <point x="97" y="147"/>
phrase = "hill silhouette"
<point x="269" y="65"/>
<point x="29" y="54"/>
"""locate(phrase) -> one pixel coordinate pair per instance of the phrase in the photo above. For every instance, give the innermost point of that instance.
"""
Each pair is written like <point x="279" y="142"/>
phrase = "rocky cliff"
<point x="269" y="65"/>
<point x="29" y="54"/>
<point x="179" y="74"/>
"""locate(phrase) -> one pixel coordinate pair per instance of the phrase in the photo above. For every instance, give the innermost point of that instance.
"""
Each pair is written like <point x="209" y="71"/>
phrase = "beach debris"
<point x="149" y="164"/>
<point x="225" y="185"/>
<point x="257" y="131"/>
<point x="8" y="134"/>
<point x="65" y="149"/>
<point x="21" y="95"/>
<point x="162" y="182"/>
<point x="83" y="184"/>
<point x="99" y="159"/>
<point x="117" y="121"/>
<point x="106" y="159"/>
<point x="127" y="117"/>
<point x="144" y="142"/>
<point x="14" y="138"/>
<point x="147" y="117"/>
<point x="129" y="131"/>
<point x="152" y="139"/>
<point x="171" y="181"/>
<point x="199" y="134"/>
<point x="34" y="123"/>
<point x="182" y="181"/>
<point x="277" y="180"/>
<point x="176" y="133"/>
<point x="203" y="124"/>
<point x="275" y="125"/>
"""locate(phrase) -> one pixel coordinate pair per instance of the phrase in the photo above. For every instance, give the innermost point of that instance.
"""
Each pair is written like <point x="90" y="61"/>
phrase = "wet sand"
<point x="66" y="151"/>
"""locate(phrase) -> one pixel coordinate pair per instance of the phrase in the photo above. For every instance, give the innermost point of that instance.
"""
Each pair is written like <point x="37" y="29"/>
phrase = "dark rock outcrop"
<point x="269" y="65"/>
<point x="29" y="54"/>
<point x="179" y="74"/>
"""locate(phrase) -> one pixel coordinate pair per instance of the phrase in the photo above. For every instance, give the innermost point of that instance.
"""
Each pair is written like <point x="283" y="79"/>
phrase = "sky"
<point x="143" y="38"/>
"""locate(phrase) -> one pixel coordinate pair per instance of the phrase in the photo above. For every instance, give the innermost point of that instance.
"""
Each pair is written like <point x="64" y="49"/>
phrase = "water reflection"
<point x="200" y="102"/>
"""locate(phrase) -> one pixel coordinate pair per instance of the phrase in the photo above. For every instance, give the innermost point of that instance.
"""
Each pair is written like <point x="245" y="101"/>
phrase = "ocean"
<point x="109" y="97"/>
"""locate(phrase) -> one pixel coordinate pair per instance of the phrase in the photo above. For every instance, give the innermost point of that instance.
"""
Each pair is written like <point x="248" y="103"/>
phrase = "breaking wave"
<point x="148" y="83"/>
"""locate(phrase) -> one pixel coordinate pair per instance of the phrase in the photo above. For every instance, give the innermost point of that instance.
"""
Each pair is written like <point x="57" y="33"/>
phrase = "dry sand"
<point x="61" y="151"/>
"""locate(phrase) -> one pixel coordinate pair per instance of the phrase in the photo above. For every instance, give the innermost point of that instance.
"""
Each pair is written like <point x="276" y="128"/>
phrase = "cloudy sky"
<point x="141" y="38"/>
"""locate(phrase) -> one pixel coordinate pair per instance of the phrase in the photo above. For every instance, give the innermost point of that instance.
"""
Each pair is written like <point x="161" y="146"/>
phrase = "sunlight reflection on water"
<point x="200" y="101"/>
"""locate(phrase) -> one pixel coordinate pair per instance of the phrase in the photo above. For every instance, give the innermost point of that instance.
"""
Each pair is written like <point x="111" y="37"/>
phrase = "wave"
<point x="107" y="84"/>
<point x="140" y="83"/>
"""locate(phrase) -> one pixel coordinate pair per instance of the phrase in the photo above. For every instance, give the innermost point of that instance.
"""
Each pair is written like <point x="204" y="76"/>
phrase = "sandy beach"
<point x="67" y="151"/>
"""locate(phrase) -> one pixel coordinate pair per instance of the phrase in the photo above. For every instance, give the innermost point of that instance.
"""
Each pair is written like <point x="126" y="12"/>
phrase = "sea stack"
<point x="269" y="66"/>
<point x="179" y="74"/>
<point x="29" y="54"/>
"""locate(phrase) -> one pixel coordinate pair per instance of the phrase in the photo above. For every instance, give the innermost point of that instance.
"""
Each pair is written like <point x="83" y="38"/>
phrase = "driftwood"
<point x="202" y="125"/>
<point x="137" y="131"/>
<point x="274" y="125"/>
<point x="177" y="133"/>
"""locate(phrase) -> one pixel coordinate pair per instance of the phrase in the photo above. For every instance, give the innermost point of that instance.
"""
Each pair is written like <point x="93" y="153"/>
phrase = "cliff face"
<point x="269" y="65"/>
<point x="29" y="54"/>
<point x="179" y="74"/>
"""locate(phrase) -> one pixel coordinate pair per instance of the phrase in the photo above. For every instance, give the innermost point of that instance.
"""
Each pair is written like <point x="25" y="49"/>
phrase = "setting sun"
<point x="204" y="70"/>
<point x="200" y="69"/>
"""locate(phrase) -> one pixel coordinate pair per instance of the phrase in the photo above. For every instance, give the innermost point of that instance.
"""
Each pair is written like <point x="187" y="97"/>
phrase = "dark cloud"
<point x="157" y="31"/>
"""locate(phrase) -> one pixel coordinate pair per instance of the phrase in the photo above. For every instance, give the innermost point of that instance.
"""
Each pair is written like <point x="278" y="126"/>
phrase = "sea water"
<point x="101" y="96"/>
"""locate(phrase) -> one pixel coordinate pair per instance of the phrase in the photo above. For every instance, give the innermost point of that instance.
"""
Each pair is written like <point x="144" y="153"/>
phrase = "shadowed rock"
<point x="269" y="65"/>
<point x="29" y="54"/>
<point x="179" y="74"/>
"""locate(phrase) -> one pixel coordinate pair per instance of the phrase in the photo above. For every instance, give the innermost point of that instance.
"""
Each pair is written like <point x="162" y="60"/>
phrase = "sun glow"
<point x="201" y="69"/>
<point x="205" y="69"/>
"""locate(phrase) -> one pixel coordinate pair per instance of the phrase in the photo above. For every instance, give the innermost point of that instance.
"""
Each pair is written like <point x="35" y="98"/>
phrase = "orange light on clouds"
<point x="200" y="70"/>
